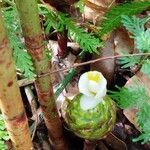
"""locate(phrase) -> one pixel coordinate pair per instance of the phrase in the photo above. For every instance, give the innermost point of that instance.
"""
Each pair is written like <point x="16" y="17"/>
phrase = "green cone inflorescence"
<point x="90" y="116"/>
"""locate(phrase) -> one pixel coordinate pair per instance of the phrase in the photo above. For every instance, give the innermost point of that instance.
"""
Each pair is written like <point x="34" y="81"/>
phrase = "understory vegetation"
<point x="67" y="23"/>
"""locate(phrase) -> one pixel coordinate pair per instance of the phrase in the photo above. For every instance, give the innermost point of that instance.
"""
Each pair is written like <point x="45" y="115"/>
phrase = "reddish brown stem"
<point x="34" y="40"/>
<point x="62" y="45"/>
<point x="11" y="104"/>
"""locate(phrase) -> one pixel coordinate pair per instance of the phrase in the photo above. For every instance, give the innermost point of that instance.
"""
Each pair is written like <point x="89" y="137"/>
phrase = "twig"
<point x="31" y="99"/>
<point x="32" y="102"/>
<point x="25" y="82"/>
<point x="91" y="62"/>
<point x="95" y="6"/>
<point x="113" y="1"/>
<point x="35" y="126"/>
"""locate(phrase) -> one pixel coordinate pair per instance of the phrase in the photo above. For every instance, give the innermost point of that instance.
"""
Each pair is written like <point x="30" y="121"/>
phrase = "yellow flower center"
<point x="94" y="76"/>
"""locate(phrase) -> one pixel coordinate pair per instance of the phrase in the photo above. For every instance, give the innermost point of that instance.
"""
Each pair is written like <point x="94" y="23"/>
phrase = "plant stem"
<point x="34" y="40"/>
<point x="62" y="44"/>
<point x="76" y="65"/>
<point x="11" y="104"/>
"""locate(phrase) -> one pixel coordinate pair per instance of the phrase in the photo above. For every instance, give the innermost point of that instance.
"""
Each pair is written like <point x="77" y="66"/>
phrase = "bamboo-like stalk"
<point x="11" y="104"/>
<point x="34" y="41"/>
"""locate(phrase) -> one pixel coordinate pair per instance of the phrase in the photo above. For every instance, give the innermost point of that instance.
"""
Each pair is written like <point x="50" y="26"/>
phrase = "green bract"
<point x="3" y="134"/>
<point x="93" y="123"/>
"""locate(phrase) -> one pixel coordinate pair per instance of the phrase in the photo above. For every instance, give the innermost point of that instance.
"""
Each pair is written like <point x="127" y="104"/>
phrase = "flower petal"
<point x="83" y="84"/>
<point x="102" y="88"/>
<point x="86" y="103"/>
<point x="93" y="84"/>
<point x="93" y="87"/>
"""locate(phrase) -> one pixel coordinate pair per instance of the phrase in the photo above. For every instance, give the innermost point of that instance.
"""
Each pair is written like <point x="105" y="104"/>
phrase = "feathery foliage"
<point x="132" y="96"/>
<point x="129" y="61"/>
<point x="3" y="134"/>
<point x="146" y="67"/>
<point x="136" y="27"/>
<point x="21" y="57"/>
<point x="144" y="122"/>
<point x="60" y="22"/>
<point x="80" y="5"/>
<point x="136" y="96"/>
<point x="142" y="42"/>
<point x="114" y="16"/>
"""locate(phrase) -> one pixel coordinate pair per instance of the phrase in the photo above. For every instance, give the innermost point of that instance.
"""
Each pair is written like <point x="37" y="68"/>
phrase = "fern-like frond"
<point x="21" y="57"/>
<point x="144" y="137"/>
<point x="142" y="42"/>
<point x="61" y="22"/>
<point x="143" y="119"/>
<point x="3" y="134"/>
<point x="143" y="116"/>
<point x="129" y="61"/>
<point x="136" y="96"/>
<point x="114" y="16"/>
<point x="80" y="4"/>
<point x="146" y="67"/>
<point x="141" y="36"/>
<point x="87" y="41"/>
<point x="134" y="24"/>
<point x="128" y="97"/>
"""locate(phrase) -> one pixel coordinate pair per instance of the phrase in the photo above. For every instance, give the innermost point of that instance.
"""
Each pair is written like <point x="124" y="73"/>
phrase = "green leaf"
<point x="22" y="59"/>
<point x="80" y="4"/>
<point x="142" y="41"/>
<point x="145" y="137"/>
<point x="2" y="145"/>
<point x="114" y="16"/>
<point x="146" y="67"/>
<point x="132" y="96"/>
<point x="86" y="40"/>
<point x="65" y="82"/>
<point x="129" y="61"/>
<point x="134" y="24"/>
<point x="48" y="26"/>
<point x="136" y="96"/>
<point x="3" y="133"/>
<point x="143" y="116"/>
<point x="52" y="19"/>
<point x="139" y="34"/>
<point x="143" y="119"/>
<point x="61" y="22"/>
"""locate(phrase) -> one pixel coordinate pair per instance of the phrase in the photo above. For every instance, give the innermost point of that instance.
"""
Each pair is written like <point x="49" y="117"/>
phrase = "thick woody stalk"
<point x="11" y="104"/>
<point x="34" y="41"/>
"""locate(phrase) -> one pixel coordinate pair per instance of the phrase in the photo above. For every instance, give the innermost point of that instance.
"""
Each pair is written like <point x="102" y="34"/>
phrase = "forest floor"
<point x="125" y="129"/>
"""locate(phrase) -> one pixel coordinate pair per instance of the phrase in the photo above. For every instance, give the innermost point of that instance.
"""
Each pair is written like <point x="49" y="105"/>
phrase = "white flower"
<point x="92" y="85"/>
